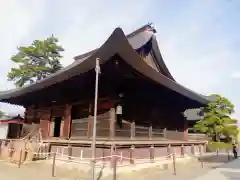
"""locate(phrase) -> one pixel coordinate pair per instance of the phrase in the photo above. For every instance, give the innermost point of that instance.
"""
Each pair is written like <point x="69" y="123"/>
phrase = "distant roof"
<point x="192" y="114"/>
<point x="7" y="119"/>
<point x="125" y="47"/>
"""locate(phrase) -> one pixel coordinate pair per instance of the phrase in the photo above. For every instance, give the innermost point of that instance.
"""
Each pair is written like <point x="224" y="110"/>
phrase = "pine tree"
<point x="217" y="121"/>
<point x="36" y="62"/>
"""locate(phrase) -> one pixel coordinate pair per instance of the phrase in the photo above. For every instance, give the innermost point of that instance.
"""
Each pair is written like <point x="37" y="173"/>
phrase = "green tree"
<point x="217" y="121"/>
<point x="36" y="62"/>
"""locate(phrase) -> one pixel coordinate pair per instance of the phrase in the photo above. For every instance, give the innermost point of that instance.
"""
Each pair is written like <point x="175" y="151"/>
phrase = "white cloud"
<point x="235" y="75"/>
<point x="92" y="23"/>
<point x="16" y="22"/>
<point x="196" y="51"/>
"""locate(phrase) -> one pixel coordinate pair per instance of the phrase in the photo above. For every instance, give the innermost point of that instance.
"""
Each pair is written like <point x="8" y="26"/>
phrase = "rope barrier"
<point x="62" y="157"/>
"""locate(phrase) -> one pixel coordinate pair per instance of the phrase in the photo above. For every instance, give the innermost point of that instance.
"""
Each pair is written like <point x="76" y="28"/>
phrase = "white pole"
<point x="97" y="69"/>
<point x="81" y="156"/>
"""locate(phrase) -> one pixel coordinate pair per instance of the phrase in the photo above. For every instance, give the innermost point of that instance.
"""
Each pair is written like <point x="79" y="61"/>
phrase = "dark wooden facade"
<point x="149" y="110"/>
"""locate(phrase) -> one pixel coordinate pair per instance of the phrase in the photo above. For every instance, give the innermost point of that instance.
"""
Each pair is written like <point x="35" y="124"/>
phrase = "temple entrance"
<point x="57" y="126"/>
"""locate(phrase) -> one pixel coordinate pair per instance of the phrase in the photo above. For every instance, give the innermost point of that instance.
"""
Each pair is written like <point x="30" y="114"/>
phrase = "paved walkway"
<point x="228" y="171"/>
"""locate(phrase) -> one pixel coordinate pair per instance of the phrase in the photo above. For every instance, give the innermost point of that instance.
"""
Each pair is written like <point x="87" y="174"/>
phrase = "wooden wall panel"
<point x="125" y="131"/>
<point x="79" y="127"/>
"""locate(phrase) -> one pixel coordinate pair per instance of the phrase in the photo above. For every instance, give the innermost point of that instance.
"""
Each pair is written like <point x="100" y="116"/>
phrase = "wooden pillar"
<point x="44" y="125"/>
<point x="51" y="127"/>
<point x="112" y="122"/>
<point x="89" y="130"/>
<point x="150" y="131"/>
<point x="67" y="121"/>
<point x="44" y="116"/>
<point x="165" y="132"/>
<point x="25" y="115"/>
<point x="36" y="117"/>
<point x="133" y="130"/>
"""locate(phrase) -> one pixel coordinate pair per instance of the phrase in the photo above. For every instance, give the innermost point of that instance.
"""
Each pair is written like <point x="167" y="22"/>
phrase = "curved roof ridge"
<point x="137" y="39"/>
<point x="143" y="28"/>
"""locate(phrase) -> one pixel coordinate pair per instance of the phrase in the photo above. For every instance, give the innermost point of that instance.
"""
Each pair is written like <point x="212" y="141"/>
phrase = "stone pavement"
<point x="187" y="171"/>
<point x="228" y="171"/>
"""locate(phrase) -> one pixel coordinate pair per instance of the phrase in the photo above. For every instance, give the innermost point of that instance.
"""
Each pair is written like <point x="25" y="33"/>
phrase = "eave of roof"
<point x="116" y="44"/>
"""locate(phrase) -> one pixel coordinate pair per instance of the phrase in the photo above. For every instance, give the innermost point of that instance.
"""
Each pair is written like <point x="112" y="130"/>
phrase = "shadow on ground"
<point x="222" y="158"/>
<point x="216" y="161"/>
<point x="233" y="165"/>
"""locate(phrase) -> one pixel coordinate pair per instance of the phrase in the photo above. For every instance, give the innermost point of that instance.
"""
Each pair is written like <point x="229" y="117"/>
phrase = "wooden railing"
<point x="197" y="136"/>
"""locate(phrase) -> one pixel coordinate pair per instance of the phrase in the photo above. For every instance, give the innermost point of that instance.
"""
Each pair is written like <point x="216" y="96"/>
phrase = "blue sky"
<point x="199" y="40"/>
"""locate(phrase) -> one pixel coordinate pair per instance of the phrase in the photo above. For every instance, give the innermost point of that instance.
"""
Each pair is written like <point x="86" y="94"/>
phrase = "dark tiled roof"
<point x="119" y="44"/>
<point x="137" y="39"/>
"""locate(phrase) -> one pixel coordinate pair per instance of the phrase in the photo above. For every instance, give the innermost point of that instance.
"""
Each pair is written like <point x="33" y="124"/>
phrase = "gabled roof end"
<point x="148" y="26"/>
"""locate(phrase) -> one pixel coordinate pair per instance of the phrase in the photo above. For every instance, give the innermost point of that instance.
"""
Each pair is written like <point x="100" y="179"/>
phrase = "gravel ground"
<point x="39" y="171"/>
<point x="187" y="171"/>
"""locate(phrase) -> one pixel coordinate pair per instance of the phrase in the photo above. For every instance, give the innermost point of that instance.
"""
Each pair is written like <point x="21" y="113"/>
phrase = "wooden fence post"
<point x="20" y="158"/>
<point x="114" y="166"/>
<point x="131" y="154"/>
<point x="182" y="150"/>
<point x="69" y="152"/>
<point x="152" y="153"/>
<point x="174" y="164"/>
<point x="48" y="149"/>
<point x="1" y="147"/>
<point x="53" y="164"/>
<point x="169" y="151"/>
<point x="205" y="147"/>
<point x="193" y="150"/>
<point x="81" y="154"/>
<point x="199" y="149"/>
<point x="121" y="159"/>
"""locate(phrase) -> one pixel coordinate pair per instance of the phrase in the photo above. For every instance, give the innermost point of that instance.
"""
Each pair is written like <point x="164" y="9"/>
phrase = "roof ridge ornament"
<point x="152" y="28"/>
